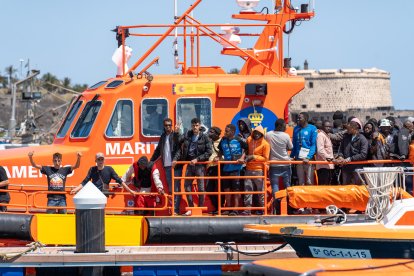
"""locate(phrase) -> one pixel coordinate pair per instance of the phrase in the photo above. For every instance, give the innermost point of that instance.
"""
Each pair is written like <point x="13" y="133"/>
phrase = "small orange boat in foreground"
<point x="389" y="234"/>
<point x="329" y="267"/>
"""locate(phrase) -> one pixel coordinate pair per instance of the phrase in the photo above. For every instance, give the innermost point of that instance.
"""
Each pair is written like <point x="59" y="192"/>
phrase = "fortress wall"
<point x="330" y="90"/>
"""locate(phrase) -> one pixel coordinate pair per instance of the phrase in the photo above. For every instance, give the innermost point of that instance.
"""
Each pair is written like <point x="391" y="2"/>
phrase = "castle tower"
<point x="331" y="89"/>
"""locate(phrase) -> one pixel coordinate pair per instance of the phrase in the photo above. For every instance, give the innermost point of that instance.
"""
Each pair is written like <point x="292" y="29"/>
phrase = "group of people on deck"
<point x="248" y="149"/>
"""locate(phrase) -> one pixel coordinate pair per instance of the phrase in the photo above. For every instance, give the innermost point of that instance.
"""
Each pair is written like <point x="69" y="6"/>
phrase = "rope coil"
<point x="383" y="185"/>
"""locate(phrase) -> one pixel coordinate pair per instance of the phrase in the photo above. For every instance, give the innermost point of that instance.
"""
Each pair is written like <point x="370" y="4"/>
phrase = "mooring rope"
<point x="227" y="247"/>
<point x="11" y="255"/>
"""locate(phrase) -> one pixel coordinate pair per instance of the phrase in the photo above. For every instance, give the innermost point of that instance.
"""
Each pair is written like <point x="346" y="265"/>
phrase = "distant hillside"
<point x="47" y="111"/>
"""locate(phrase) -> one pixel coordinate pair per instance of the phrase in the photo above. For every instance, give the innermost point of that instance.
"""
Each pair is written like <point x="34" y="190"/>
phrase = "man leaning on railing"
<point x="259" y="150"/>
<point x="101" y="175"/>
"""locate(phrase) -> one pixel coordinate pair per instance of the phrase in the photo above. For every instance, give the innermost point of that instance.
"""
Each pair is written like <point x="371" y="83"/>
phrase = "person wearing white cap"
<point x="100" y="175"/>
<point x="385" y="129"/>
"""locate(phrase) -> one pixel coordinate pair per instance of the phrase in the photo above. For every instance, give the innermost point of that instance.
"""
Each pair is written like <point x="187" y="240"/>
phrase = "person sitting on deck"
<point x="56" y="179"/>
<point x="146" y="178"/>
<point x="100" y="175"/>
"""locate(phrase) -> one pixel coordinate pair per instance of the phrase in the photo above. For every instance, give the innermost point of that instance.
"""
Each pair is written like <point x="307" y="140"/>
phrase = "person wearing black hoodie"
<point x="196" y="147"/>
<point x="245" y="128"/>
<point x="245" y="131"/>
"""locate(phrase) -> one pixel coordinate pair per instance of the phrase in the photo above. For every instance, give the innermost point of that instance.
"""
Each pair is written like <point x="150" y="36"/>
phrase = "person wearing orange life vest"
<point x="258" y="151"/>
<point x="146" y="178"/>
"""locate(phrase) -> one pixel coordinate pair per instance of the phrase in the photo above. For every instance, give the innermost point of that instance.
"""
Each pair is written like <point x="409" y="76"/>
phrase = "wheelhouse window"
<point x="153" y="112"/>
<point x="189" y="108"/>
<point x="86" y="120"/>
<point x="69" y="119"/>
<point x="114" y="84"/>
<point x="96" y="85"/>
<point x="121" y="123"/>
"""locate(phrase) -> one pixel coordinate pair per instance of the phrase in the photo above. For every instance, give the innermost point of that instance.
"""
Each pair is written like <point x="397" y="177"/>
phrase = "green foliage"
<point x="10" y="70"/>
<point x="3" y="81"/>
<point x="234" y="71"/>
<point x="66" y="82"/>
<point x="80" y="87"/>
<point x="46" y="79"/>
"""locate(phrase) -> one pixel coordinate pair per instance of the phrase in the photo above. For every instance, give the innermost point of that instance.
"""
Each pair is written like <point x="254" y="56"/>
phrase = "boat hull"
<point x="339" y="247"/>
<point x="167" y="230"/>
<point x="147" y="230"/>
<point x="329" y="267"/>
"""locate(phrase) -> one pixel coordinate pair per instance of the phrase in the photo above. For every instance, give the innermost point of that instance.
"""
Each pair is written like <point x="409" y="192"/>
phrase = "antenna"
<point x="176" y="59"/>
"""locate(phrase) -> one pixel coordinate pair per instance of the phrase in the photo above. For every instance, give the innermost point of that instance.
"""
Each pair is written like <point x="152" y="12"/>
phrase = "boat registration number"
<point x="328" y="252"/>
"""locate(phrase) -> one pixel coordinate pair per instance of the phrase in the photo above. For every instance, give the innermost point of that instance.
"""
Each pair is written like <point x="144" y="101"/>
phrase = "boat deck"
<point x="140" y="255"/>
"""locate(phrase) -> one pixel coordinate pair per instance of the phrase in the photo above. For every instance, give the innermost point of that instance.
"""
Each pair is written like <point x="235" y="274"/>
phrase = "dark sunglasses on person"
<point x="167" y="125"/>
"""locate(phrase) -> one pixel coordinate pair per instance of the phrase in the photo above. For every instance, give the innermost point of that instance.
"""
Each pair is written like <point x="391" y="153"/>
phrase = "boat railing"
<point x="38" y="203"/>
<point x="35" y="200"/>
<point x="219" y="192"/>
<point x="15" y="205"/>
<point x="189" y="28"/>
<point x="201" y="30"/>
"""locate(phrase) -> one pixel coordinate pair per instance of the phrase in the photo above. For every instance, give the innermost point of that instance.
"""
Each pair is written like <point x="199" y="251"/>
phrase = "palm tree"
<point x="234" y="71"/>
<point x="49" y="78"/>
<point x="66" y="82"/>
<point x="3" y="81"/>
<point x="10" y="70"/>
<point x="80" y="87"/>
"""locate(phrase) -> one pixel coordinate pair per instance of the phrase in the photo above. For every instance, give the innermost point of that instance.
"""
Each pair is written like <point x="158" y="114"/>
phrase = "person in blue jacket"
<point x="304" y="148"/>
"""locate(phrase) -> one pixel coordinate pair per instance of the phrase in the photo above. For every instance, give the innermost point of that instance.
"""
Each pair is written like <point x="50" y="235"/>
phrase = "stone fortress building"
<point x="363" y="93"/>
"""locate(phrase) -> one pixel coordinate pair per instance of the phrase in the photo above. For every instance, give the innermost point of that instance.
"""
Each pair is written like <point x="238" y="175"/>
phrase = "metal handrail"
<point x="170" y="197"/>
<point x="26" y="206"/>
<point x="40" y="206"/>
<point x="219" y="192"/>
<point x="35" y="205"/>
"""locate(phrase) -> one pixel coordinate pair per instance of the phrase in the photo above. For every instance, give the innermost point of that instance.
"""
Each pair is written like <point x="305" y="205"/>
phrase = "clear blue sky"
<point x="73" y="39"/>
